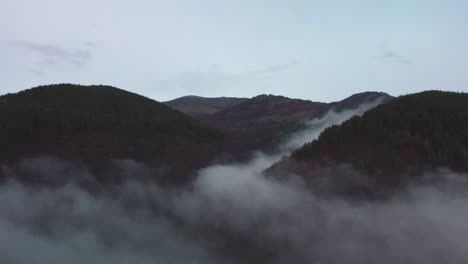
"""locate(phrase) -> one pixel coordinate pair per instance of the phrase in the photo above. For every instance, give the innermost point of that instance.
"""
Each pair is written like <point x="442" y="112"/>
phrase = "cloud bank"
<point x="230" y="214"/>
<point x="52" y="55"/>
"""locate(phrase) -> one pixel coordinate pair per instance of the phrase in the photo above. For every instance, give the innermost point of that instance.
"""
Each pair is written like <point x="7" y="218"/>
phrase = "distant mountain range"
<point x="97" y="124"/>
<point x="199" y="106"/>
<point x="263" y="121"/>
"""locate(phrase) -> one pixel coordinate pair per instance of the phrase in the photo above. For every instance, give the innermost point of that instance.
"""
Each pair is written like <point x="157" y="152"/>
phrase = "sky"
<point x="322" y="50"/>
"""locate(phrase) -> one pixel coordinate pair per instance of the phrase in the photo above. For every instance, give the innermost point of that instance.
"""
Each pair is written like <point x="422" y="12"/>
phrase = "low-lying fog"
<point x="231" y="214"/>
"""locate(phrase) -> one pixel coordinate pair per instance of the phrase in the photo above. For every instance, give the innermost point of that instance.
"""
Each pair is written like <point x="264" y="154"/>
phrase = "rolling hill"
<point x="265" y="120"/>
<point x="94" y="124"/>
<point x="97" y="124"/>
<point x="395" y="142"/>
<point x="200" y="106"/>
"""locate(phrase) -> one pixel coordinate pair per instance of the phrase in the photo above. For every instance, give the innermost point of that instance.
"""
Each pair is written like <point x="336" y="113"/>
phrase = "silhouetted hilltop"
<point x="261" y="122"/>
<point x="199" y="106"/>
<point x="394" y="141"/>
<point x="360" y="98"/>
<point x="98" y="123"/>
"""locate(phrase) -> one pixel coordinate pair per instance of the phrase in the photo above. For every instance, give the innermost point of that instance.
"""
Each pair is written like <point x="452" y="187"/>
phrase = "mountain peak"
<point x="200" y="106"/>
<point x="98" y="123"/>
<point x="357" y="99"/>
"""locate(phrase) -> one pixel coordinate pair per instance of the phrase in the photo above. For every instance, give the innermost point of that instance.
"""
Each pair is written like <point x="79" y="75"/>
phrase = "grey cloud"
<point x="395" y="57"/>
<point x="91" y="44"/>
<point x="53" y="54"/>
<point x="276" y="68"/>
<point x="54" y="51"/>
<point x="48" y="62"/>
<point x="38" y="72"/>
<point x="233" y="214"/>
<point x="391" y="55"/>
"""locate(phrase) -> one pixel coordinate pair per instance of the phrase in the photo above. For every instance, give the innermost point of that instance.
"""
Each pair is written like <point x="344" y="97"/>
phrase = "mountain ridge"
<point x="264" y="120"/>
<point x="97" y="124"/>
<point x="394" y="143"/>
<point x="199" y="106"/>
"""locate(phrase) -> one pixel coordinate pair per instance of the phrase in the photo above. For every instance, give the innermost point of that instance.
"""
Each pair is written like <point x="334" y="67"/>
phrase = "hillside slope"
<point x="260" y="122"/>
<point x="263" y="121"/>
<point x="394" y="142"/>
<point x="355" y="100"/>
<point x="95" y="124"/>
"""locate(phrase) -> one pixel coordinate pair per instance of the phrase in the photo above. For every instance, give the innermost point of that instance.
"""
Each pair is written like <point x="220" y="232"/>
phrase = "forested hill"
<point x="96" y="107"/>
<point x="95" y="123"/>
<point x="358" y="99"/>
<point x="199" y="106"/>
<point x="413" y="132"/>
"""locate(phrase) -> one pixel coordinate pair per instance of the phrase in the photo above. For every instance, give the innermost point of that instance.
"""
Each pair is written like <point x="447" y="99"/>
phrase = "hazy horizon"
<point x="316" y="50"/>
<point x="194" y="95"/>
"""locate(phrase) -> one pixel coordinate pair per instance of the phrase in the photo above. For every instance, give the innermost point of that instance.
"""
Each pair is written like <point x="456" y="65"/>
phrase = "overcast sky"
<point x="320" y="50"/>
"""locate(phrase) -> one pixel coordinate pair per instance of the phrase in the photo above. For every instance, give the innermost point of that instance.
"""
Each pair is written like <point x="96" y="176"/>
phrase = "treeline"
<point x="74" y="109"/>
<point x="428" y="128"/>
